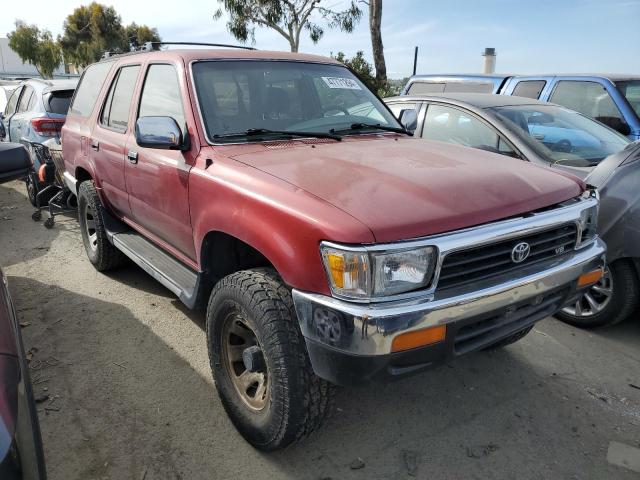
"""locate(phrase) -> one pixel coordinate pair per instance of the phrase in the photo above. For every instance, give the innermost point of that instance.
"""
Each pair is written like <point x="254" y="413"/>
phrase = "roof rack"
<point x="150" y="46"/>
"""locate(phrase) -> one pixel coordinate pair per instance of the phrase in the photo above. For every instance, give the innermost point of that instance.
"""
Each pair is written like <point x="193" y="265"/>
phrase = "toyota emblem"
<point x="520" y="252"/>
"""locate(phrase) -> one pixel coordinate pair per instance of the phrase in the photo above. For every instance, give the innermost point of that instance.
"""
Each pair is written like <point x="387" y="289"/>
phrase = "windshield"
<point x="236" y="96"/>
<point x="562" y="136"/>
<point x="631" y="91"/>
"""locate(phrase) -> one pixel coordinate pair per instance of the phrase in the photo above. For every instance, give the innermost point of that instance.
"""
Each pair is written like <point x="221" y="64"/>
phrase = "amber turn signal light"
<point x="419" y="338"/>
<point x="590" y="278"/>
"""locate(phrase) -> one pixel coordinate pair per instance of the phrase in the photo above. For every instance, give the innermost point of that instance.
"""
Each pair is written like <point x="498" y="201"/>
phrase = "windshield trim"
<point x="211" y="142"/>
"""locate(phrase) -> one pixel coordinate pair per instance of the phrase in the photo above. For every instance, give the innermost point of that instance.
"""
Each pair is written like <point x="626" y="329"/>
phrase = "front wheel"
<point x="259" y="361"/>
<point x="610" y="301"/>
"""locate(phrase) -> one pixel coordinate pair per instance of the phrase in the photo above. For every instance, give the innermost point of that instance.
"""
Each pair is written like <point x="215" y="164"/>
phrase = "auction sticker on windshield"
<point x="338" y="82"/>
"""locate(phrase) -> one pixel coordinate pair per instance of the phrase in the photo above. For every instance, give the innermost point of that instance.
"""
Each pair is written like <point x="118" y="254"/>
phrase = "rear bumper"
<point x="355" y="348"/>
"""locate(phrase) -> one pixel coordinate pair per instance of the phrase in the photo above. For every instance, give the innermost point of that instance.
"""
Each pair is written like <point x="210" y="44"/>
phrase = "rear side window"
<point x="58" y="101"/>
<point x="115" y="113"/>
<point x="23" y="106"/>
<point x="588" y="98"/>
<point x="89" y="88"/>
<point x="468" y="87"/>
<point x="424" y="88"/>
<point x="529" y="88"/>
<point x="161" y="95"/>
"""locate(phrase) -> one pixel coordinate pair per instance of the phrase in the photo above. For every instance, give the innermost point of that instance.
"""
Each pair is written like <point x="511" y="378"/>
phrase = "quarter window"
<point x="115" y="113"/>
<point x="529" y="88"/>
<point x="89" y="88"/>
<point x="451" y="125"/>
<point x="588" y="98"/>
<point x="161" y="95"/>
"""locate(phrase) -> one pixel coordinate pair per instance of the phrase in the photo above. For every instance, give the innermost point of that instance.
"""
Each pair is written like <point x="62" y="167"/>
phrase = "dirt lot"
<point x="133" y="398"/>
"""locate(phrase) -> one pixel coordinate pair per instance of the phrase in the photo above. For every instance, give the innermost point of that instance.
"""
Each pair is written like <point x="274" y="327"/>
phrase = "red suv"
<point x="328" y="245"/>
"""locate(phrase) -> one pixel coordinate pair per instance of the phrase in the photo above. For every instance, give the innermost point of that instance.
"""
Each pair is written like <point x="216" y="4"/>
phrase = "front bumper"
<point x="350" y="343"/>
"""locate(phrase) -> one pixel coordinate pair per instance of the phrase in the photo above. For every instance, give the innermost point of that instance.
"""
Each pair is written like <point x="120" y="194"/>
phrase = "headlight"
<point x="587" y="226"/>
<point x="363" y="274"/>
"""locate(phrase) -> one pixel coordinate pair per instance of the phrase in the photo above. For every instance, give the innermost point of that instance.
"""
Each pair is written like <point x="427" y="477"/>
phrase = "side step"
<point x="171" y="273"/>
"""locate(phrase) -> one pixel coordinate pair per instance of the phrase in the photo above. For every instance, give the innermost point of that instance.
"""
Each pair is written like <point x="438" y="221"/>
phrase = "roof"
<point x="194" y="54"/>
<point x="54" y="85"/>
<point x="478" y="100"/>
<point x="494" y="76"/>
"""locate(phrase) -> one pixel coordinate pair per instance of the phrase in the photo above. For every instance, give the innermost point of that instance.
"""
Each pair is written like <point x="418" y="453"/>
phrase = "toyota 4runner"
<point x="328" y="245"/>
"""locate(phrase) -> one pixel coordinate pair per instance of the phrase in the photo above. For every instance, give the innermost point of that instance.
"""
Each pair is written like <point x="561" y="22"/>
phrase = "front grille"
<point x="510" y="320"/>
<point x="479" y="263"/>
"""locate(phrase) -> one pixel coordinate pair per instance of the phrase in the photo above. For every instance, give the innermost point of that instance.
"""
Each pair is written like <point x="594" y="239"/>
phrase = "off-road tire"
<point x="104" y="256"/>
<point x="298" y="401"/>
<point x="510" y="339"/>
<point x="623" y="302"/>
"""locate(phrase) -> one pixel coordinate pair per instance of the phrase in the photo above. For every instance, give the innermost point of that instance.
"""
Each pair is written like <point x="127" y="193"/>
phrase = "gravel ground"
<point x="125" y="366"/>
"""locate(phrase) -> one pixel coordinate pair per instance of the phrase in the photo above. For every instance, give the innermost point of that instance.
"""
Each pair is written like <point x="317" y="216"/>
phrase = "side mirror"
<point x="409" y="119"/>
<point x="616" y="123"/>
<point x="15" y="161"/>
<point x="3" y="132"/>
<point x="159" y="132"/>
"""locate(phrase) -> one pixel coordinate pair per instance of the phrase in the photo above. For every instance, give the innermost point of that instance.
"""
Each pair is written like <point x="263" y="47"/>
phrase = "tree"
<point x="138" y="35"/>
<point x="36" y="47"/>
<point x="90" y="31"/>
<point x="287" y="17"/>
<point x="360" y="66"/>
<point x="375" y="24"/>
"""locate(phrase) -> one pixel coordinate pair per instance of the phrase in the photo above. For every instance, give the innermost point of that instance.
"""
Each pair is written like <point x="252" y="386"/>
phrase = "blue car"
<point x="611" y="99"/>
<point x="35" y="112"/>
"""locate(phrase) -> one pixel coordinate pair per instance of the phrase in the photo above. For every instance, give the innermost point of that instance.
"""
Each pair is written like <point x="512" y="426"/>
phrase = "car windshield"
<point x="631" y="91"/>
<point x="240" y="96"/>
<point x="562" y="136"/>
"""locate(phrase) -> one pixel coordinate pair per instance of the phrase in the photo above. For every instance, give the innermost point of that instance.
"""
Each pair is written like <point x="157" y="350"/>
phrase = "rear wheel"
<point x="32" y="188"/>
<point x="610" y="301"/>
<point x="101" y="253"/>
<point x="259" y="361"/>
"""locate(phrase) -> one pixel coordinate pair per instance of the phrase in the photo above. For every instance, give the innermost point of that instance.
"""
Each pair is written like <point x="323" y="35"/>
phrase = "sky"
<point x="567" y="36"/>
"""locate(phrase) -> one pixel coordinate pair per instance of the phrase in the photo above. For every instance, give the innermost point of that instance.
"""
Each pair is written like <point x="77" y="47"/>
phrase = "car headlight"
<point x="587" y="226"/>
<point x="364" y="274"/>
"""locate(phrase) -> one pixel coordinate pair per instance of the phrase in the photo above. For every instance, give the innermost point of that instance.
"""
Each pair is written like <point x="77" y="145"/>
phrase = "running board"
<point x="171" y="273"/>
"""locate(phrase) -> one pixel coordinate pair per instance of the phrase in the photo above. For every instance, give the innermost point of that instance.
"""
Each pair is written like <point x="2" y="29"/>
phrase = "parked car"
<point x="611" y="99"/>
<point x="522" y="128"/>
<point x="617" y="295"/>
<point x="21" y="455"/>
<point x="329" y="246"/>
<point x="36" y="112"/>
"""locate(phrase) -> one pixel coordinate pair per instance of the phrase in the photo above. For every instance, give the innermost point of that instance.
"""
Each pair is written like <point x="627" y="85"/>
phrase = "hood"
<point x="403" y="187"/>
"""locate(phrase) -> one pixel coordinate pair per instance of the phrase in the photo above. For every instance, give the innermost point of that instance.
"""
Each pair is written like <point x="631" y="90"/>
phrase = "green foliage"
<point x="91" y="30"/>
<point x="138" y="35"/>
<point x="288" y="18"/>
<point x="365" y="71"/>
<point x="36" y="47"/>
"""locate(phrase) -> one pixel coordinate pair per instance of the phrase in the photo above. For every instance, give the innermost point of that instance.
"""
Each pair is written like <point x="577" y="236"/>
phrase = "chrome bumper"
<point x="369" y="329"/>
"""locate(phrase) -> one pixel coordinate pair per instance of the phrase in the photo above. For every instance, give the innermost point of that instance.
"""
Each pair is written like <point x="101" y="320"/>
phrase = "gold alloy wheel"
<point x="244" y="362"/>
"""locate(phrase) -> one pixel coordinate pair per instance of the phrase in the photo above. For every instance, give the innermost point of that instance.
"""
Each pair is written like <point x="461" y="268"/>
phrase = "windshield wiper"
<point x="377" y="126"/>
<point x="253" y="132"/>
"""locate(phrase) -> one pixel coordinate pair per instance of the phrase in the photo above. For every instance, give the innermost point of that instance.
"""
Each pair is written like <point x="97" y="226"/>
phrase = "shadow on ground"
<point x="131" y="404"/>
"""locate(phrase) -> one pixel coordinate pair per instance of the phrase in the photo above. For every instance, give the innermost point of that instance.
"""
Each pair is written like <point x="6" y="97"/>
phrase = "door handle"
<point x="132" y="156"/>
<point x="95" y="145"/>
